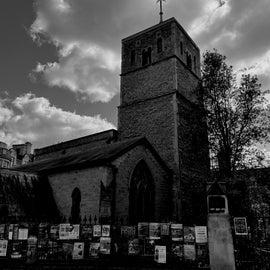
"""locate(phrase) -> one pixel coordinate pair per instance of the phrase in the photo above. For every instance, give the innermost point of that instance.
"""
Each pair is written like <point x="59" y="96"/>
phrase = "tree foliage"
<point x="237" y="115"/>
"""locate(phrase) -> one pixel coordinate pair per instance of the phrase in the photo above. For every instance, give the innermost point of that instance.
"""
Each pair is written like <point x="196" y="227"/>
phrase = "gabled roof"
<point x="94" y="157"/>
<point x="216" y="189"/>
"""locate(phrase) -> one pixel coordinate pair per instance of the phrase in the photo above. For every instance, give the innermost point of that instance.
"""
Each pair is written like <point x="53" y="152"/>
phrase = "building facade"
<point x="155" y="167"/>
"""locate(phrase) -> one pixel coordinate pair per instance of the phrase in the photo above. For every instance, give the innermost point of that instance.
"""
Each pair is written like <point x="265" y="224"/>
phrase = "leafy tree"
<point x="237" y="115"/>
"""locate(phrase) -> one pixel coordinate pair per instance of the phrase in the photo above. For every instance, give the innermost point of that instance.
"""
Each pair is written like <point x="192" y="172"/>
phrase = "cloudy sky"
<point x="60" y="59"/>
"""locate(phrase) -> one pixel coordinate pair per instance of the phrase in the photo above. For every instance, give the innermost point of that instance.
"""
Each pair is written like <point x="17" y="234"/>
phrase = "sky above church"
<point x="60" y="59"/>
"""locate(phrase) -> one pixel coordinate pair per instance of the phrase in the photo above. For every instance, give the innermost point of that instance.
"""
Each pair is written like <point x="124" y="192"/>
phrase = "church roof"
<point x="89" y="158"/>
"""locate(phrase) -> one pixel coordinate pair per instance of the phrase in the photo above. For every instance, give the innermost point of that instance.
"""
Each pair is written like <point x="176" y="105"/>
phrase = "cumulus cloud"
<point x="239" y="29"/>
<point x="35" y="119"/>
<point x="87" y="35"/>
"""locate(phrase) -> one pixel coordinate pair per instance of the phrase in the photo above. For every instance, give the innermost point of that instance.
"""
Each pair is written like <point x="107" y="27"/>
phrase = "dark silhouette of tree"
<point x="237" y="114"/>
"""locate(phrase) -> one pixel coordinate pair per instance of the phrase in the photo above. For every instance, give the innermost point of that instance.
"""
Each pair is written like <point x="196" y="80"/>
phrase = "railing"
<point x="90" y="244"/>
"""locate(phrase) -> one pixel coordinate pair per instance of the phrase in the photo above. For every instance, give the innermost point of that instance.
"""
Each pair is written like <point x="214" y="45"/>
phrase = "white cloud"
<point x="88" y="33"/>
<point x="34" y="119"/>
<point x="88" y="71"/>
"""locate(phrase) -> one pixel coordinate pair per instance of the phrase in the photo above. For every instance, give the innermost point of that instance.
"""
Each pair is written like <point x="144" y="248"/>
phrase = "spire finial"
<point x="161" y="12"/>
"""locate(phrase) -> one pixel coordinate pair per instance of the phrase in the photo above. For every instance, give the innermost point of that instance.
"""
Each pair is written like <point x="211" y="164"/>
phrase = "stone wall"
<point x="194" y="161"/>
<point x="88" y="181"/>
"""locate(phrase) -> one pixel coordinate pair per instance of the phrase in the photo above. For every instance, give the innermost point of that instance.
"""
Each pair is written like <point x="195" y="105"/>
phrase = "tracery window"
<point x="75" y="208"/>
<point x="141" y="195"/>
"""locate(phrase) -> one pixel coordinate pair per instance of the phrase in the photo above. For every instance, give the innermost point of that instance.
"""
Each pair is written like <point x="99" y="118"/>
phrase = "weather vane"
<point x="161" y="12"/>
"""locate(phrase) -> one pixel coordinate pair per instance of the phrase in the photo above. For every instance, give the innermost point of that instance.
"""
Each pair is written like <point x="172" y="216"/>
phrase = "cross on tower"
<point x="161" y="12"/>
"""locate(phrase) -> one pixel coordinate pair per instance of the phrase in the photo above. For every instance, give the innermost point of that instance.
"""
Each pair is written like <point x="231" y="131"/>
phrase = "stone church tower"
<point x="161" y="99"/>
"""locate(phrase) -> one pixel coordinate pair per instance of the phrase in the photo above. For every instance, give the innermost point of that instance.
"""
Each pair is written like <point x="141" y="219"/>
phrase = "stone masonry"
<point x="161" y="99"/>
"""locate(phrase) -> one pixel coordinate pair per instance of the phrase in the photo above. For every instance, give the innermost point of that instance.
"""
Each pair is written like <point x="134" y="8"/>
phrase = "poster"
<point x="31" y="249"/>
<point x="178" y="249"/>
<point x="143" y="229"/>
<point x="97" y="230"/>
<point x="127" y="232"/>
<point x="105" y="230"/>
<point x="165" y="229"/>
<point x="201" y="234"/>
<point x="86" y="232"/>
<point x="10" y="231"/>
<point x="160" y="254"/>
<point x="149" y="247"/>
<point x="240" y="226"/>
<point x="94" y="249"/>
<point x="202" y="256"/>
<point x="54" y="232"/>
<point x="78" y="250"/>
<point x="177" y="232"/>
<point x="189" y="252"/>
<point x="15" y="235"/>
<point x="154" y="230"/>
<point x="69" y="232"/>
<point x="133" y="247"/>
<point x="105" y="245"/>
<point x="22" y="233"/>
<point x="67" y="250"/>
<point x="16" y="252"/>
<point x="2" y="231"/>
<point x="43" y="230"/>
<point x="189" y="235"/>
<point x="3" y="248"/>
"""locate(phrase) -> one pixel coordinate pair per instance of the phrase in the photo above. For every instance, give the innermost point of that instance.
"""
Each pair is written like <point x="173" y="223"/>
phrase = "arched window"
<point x="75" y="208"/>
<point x="146" y="56"/>
<point x="141" y="195"/>
<point x="159" y="45"/>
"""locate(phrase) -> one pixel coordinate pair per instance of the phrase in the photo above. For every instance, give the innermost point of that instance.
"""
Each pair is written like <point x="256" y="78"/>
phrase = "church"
<point x="153" y="168"/>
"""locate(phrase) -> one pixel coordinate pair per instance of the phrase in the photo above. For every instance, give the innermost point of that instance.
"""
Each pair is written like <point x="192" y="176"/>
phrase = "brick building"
<point x="155" y="167"/>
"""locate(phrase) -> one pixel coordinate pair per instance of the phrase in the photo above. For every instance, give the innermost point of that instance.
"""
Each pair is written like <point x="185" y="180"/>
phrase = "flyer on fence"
<point x="31" y="249"/>
<point x="201" y="234"/>
<point x="133" y="247"/>
<point x="22" y="234"/>
<point x="165" y="229"/>
<point x="105" y="230"/>
<point x="54" y="232"/>
<point x="86" y="232"/>
<point x="128" y="232"/>
<point x="160" y="254"/>
<point x="78" y="251"/>
<point x="2" y="231"/>
<point x="94" y="249"/>
<point x="143" y="229"/>
<point x="3" y="248"/>
<point x="177" y="232"/>
<point x="105" y="245"/>
<point x="154" y="230"/>
<point x="189" y="252"/>
<point x="240" y="226"/>
<point x="189" y="235"/>
<point x="97" y="230"/>
<point x="69" y="231"/>
<point x="178" y="249"/>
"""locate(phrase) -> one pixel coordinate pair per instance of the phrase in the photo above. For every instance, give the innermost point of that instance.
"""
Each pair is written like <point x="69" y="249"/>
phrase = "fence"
<point x="252" y="242"/>
<point x="91" y="245"/>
